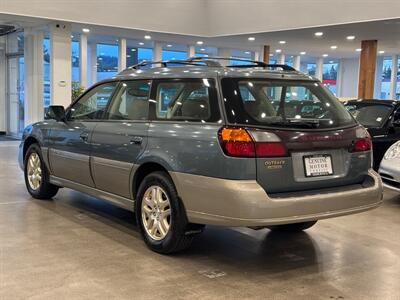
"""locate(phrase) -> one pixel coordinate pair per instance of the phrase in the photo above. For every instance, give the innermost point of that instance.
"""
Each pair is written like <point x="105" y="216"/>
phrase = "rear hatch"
<point x="303" y="138"/>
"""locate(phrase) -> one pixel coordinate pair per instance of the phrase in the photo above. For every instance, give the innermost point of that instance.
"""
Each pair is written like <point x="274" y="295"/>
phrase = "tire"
<point x="44" y="189"/>
<point x="295" y="227"/>
<point x="180" y="233"/>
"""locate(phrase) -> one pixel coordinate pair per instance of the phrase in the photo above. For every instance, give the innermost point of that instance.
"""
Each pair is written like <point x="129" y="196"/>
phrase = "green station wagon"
<point x="197" y="142"/>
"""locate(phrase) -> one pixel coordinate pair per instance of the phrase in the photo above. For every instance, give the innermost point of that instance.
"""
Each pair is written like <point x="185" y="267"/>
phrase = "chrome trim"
<point x="123" y="202"/>
<point x="390" y="187"/>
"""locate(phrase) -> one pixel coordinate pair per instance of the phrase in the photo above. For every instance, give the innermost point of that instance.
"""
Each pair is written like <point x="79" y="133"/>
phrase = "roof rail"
<point x="213" y="62"/>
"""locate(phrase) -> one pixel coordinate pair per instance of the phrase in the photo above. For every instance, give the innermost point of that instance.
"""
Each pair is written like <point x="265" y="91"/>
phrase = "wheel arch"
<point x="27" y="143"/>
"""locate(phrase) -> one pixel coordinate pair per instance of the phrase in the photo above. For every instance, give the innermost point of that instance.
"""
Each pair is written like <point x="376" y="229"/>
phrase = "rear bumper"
<point x="245" y="203"/>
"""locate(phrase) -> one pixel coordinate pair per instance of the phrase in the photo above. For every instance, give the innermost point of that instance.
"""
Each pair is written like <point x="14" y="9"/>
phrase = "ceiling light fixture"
<point x="147" y="37"/>
<point x="251" y="38"/>
<point x="86" y="30"/>
<point x="381" y="52"/>
<point x="325" y="55"/>
<point x="141" y="43"/>
<point x="282" y="42"/>
<point x="319" y="33"/>
<point x="334" y="47"/>
<point x="278" y="50"/>
<point x="350" y="38"/>
<point x="303" y="53"/>
<point x="169" y="45"/>
<point x="202" y="49"/>
<point x="199" y="42"/>
<point x="271" y="54"/>
<point x="247" y="52"/>
<point x="358" y="49"/>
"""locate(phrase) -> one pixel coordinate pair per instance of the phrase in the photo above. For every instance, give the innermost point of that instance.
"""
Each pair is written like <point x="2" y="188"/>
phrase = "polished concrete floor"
<point x="77" y="247"/>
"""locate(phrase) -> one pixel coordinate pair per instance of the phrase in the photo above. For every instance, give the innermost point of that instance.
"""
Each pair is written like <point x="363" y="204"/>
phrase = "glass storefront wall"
<point x="107" y="61"/>
<point x="15" y="83"/>
<point x="329" y="76"/>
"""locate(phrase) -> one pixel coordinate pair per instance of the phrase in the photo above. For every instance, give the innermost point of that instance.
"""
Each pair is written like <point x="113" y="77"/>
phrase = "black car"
<point x="382" y="119"/>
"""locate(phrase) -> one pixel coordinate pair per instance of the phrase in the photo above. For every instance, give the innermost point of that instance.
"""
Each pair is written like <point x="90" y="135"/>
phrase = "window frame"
<point x="105" y="115"/>
<point x="101" y="117"/>
<point x="213" y="92"/>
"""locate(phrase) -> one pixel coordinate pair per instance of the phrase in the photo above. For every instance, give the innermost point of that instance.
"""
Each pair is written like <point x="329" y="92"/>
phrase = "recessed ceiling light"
<point x="199" y="42"/>
<point x="251" y="38"/>
<point x="247" y="52"/>
<point x="128" y="56"/>
<point x="358" y="49"/>
<point x="278" y="50"/>
<point x="72" y="36"/>
<point x="169" y="45"/>
<point x="141" y="43"/>
<point x="147" y="37"/>
<point x="133" y="49"/>
<point x="333" y="47"/>
<point x="282" y="42"/>
<point x="331" y="61"/>
<point x="303" y="53"/>
<point x="381" y="52"/>
<point x="319" y="33"/>
<point x="271" y="54"/>
<point x="324" y="55"/>
<point x="350" y="37"/>
<point x="202" y="49"/>
<point x="86" y="30"/>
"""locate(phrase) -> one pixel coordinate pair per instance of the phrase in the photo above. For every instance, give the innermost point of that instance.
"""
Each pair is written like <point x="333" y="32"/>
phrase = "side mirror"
<point x="55" y="112"/>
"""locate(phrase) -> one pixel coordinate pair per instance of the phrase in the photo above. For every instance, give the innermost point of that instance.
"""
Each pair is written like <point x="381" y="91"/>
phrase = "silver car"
<point x="390" y="167"/>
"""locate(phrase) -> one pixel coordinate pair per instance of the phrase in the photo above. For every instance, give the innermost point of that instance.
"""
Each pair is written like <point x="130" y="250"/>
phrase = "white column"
<point x="83" y="61"/>
<point x="33" y="83"/>
<point x="93" y="62"/>
<point x="257" y="56"/>
<point x="378" y="77"/>
<point x="157" y="51"/>
<point x="393" y="77"/>
<point x="281" y="59"/>
<point x="319" y="68"/>
<point x="3" y="116"/>
<point x="339" y="79"/>
<point x="296" y="62"/>
<point x="60" y="61"/>
<point x="191" y="51"/>
<point x="121" y="54"/>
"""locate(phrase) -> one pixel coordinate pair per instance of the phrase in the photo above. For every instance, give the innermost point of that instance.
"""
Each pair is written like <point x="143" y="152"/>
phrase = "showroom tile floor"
<point x="77" y="247"/>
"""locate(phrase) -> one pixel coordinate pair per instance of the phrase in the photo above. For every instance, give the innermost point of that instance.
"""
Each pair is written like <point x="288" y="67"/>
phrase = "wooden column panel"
<point x="266" y="54"/>
<point x="366" y="78"/>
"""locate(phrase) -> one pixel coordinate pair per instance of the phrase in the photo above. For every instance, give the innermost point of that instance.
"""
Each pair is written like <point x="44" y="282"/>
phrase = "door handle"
<point x="136" y="140"/>
<point x="84" y="136"/>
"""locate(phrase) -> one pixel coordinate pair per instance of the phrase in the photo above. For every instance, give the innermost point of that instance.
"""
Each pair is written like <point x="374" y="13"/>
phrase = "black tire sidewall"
<point x="34" y="148"/>
<point x="178" y="216"/>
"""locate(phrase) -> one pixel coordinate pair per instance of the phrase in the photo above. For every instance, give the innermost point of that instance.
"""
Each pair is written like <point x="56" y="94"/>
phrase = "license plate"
<point x="318" y="165"/>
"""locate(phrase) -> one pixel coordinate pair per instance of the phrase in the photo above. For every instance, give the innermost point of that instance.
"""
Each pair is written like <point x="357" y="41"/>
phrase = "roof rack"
<point x="213" y="62"/>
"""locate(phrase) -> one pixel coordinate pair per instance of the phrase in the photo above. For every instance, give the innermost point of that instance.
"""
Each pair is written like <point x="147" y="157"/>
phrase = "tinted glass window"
<point x="93" y="104"/>
<point x="131" y="102"/>
<point x="187" y="100"/>
<point x="370" y="115"/>
<point x="282" y="103"/>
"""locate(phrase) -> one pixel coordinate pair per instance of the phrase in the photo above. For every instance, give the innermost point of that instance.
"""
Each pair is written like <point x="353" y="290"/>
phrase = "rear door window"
<point x="192" y="100"/>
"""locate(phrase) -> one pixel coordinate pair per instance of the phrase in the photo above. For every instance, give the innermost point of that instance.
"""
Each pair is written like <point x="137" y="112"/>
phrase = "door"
<point x="70" y="141"/>
<point x="121" y="138"/>
<point x="15" y="92"/>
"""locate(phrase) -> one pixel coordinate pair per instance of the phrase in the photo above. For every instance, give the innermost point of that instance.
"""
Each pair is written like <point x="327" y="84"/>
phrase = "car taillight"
<point x="240" y="142"/>
<point x="363" y="141"/>
<point x="360" y="145"/>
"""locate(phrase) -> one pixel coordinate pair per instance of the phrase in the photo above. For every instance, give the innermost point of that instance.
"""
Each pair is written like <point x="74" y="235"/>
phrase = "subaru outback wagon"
<point x="197" y="142"/>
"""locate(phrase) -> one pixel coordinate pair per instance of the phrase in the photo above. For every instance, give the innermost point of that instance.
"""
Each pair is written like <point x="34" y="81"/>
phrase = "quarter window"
<point x="187" y="100"/>
<point x="92" y="105"/>
<point x="131" y="102"/>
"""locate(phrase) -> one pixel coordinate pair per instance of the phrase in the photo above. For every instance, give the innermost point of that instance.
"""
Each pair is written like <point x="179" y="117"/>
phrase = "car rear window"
<point x="294" y="104"/>
<point x="370" y="115"/>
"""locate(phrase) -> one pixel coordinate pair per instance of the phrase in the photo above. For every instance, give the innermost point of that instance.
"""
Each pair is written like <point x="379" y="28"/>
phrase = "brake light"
<point x="363" y="144"/>
<point x="240" y="142"/>
<point x="236" y="142"/>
